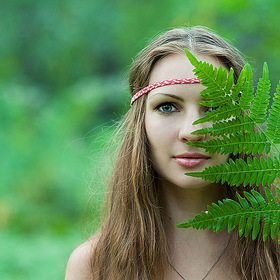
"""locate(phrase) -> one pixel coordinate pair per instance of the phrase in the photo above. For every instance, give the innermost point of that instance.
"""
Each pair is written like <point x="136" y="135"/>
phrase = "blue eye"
<point x="210" y="109"/>
<point x="166" y="108"/>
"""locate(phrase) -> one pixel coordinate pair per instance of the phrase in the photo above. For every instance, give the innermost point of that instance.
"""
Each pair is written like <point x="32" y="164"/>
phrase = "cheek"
<point x="151" y="137"/>
<point x="223" y="158"/>
<point x="153" y="129"/>
<point x="160" y="141"/>
<point x="154" y="135"/>
<point x="160" y="133"/>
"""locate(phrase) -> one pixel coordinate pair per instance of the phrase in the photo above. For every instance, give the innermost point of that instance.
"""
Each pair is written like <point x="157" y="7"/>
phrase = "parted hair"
<point x="132" y="242"/>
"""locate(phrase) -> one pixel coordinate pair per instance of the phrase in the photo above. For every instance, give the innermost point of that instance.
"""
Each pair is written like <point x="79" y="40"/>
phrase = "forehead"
<point x="178" y="66"/>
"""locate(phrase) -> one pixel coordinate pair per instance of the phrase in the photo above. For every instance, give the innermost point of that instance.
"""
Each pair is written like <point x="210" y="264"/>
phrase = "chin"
<point x="187" y="183"/>
<point x="195" y="183"/>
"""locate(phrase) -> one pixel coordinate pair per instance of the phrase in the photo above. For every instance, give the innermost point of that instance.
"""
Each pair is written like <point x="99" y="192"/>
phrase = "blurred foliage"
<point x="63" y="80"/>
<point x="56" y="43"/>
<point x="46" y="150"/>
<point x="35" y="256"/>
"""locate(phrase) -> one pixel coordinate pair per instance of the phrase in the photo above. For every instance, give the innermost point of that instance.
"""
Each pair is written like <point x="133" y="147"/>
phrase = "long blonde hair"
<point x="132" y="243"/>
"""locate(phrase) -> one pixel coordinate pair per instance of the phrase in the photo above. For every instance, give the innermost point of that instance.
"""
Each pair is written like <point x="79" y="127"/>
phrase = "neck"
<point x="200" y="249"/>
<point x="183" y="204"/>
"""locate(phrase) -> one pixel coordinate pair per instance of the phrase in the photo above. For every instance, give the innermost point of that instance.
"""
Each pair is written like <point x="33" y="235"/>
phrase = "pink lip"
<point x="190" y="160"/>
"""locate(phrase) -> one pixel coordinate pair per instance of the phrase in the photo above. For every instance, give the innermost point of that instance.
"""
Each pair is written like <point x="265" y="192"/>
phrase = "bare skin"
<point x="170" y="113"/>
<point x="78" y="266"/>
<point x="198" y="249"/>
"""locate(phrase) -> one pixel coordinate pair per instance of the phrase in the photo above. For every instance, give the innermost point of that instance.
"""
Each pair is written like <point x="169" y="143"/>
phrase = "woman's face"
<point x="170" y="113"/>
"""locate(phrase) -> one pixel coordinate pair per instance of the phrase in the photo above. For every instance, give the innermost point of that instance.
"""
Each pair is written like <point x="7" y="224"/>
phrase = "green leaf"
<point x="256" y="228"/>
<point x="261" y="100"/>
<point x="273" y="125"/>
<point x="240" y="172"/>
<point x="248" y="143"/>
<point x="247" y="213"/>
<point x="236" y="128"/>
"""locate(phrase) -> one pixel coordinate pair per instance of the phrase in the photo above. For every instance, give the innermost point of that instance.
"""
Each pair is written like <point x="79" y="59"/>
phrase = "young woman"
<point x="149" y="193"/>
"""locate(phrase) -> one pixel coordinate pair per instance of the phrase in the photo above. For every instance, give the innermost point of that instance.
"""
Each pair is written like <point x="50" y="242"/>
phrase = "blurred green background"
<point x="63" y="84"/>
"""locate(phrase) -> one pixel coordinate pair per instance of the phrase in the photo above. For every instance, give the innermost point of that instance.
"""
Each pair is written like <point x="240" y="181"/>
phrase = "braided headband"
<point x="163" y="83"/>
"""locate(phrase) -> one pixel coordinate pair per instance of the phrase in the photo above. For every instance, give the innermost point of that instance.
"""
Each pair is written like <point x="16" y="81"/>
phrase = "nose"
<point x="187" y="127"/>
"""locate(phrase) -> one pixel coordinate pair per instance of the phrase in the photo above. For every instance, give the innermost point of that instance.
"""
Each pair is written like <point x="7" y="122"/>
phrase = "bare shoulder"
<point x="78" y="266"/>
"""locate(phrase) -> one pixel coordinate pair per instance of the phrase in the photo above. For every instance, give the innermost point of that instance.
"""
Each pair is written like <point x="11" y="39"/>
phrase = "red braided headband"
<point x="164" y="83"/>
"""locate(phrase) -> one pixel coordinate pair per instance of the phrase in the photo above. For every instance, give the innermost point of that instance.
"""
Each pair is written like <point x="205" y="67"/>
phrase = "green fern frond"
<point x="248" y="143"/>
<point x="242" y="82"/>
<point x="261" y="172"/>
<point x="247" y="213"/>
<point x="219" y="114"/>
<point x="261" y="100"/>
<point x="215" y="80"/>
<point x="215" y="102"/>
<point x="228" y="127"/>
<point x="247" y="90"/>
<point x="273" y="126"/>
<point x="228" y="124"/>
<point x="236" y="114"/>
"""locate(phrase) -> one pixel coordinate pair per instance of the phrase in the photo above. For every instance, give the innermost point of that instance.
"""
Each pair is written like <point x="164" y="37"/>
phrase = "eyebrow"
<point x="170" y="95"/>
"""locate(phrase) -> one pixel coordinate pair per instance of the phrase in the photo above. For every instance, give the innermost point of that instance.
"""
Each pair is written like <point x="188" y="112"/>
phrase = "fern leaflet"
<point x="260" y="172"/>
<point x="248" y="143"/>
<point x="261" y="100"/>
<point x="248" y="213"/>
<point x="233" y="132"/>
<point x="273" y="126"/>
<point x="239" y="112"/>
